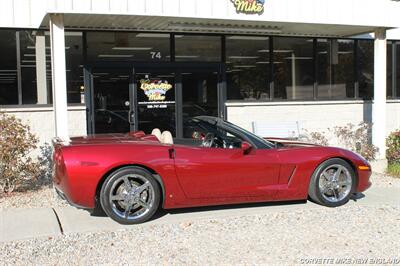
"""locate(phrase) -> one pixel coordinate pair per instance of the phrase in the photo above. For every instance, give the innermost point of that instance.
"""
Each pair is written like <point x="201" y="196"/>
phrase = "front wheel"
<point x="130" y="195"/>
<point x="332" y="183"/>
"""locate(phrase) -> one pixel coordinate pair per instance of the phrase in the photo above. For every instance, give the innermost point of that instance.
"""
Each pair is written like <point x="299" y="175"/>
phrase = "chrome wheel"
<point x="335" y="183"/>
<point x="131" y="196"/>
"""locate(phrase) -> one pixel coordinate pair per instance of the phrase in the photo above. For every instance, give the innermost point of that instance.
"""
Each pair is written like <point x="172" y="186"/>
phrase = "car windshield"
<point x="225" y="130"/>
<point x="254" y="136"/>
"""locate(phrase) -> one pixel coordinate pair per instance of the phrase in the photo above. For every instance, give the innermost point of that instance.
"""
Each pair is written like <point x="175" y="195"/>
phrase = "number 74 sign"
<point x="155" y="55"/>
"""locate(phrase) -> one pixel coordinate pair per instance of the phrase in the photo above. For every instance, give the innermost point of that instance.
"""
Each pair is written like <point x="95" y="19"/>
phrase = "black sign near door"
<point x="156" y="101"/>
<point x="144" y="97"/>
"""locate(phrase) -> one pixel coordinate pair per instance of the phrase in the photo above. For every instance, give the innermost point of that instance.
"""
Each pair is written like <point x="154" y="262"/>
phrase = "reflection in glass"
<point x="73" y="55"/>
<point x="8" y="68"/>
<point x="111" y="100"/>
<point x="397" y="70"/>
<point x="127" y="46"/>
<point x="293" y="68"/>
<point x="199" y="93"/>
<point x="335" y="60"/>
<point x="197" y="48"/>
<point x="35" y="67"/>
<point x="366" y="68"/>
<point x="389" y="69"/>
<point x="247" y="60"/>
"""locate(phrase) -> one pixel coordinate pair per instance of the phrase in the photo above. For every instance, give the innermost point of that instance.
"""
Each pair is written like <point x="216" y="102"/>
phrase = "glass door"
<point x="199" y="96"/>
<point x="155" y="92"/>
<point x="111" y="100"/>
<point x="147" y="96"/>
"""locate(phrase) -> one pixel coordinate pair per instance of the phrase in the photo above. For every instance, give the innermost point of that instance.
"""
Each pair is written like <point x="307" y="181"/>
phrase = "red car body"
<point x="195" y="176"/>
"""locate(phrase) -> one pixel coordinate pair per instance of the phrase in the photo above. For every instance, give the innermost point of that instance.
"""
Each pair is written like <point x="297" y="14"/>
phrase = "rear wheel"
<point x="130" y="195"/>
<point x="332" y="183"/>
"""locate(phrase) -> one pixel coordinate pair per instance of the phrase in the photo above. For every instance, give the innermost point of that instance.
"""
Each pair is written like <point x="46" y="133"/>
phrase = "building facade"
<point x="75" y="67"/>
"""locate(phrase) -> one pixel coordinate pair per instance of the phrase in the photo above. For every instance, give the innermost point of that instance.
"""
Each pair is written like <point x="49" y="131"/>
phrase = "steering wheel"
<point x="208" y="140"/>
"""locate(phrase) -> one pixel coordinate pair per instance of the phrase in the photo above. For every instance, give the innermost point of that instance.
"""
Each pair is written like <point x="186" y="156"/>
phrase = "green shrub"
<point x="393" y="148"/>
<point x="357" y="139"/>
<point x="394" y="169"/>
<point x="16" y="144"/>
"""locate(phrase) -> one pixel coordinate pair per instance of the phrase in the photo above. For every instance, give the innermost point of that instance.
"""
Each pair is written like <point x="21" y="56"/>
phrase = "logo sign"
<point x="249" y="6"/>
<point x="155" y="90"/>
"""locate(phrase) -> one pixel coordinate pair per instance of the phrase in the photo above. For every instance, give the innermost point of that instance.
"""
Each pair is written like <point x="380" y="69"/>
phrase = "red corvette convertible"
<point x="131" y="175"/>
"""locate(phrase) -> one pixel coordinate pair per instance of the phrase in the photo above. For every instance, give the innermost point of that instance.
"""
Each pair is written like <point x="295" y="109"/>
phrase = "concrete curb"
<point x="19" y="224"/>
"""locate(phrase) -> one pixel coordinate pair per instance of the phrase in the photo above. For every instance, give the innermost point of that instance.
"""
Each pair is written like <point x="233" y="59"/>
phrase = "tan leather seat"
<point x="166" y="138"/>
<point x="156" y="132"/>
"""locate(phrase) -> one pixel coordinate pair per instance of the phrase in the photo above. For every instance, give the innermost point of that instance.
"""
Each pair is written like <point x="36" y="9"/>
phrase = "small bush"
<point x="317" y="138"/>
<point x="393" y="148"/>
<point x="357" y="139"/>
<point x="16" y="144"/>
<point x="45" y="160"/>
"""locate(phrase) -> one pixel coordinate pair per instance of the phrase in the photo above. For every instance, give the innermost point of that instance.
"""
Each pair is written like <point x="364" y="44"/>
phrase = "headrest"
<point x="156" y="132"/>
<point x="166" y="138"/>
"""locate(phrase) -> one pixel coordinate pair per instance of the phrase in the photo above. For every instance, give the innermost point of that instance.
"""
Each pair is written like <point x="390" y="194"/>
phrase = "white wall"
<point x="41" y="120"/>
<point x="313" y="116"/>
<point x="393" y="34"/>
<point x="393" y="116"/>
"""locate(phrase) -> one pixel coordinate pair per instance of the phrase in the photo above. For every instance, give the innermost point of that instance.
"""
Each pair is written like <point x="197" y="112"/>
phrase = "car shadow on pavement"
<point x="357" y="196"/>
<point x="163" y="212"/>
<point x="232" y="206"/>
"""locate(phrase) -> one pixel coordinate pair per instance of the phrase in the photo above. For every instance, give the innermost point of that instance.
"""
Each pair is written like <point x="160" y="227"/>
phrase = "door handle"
<point x="172" y="153"/>
<point x="131" y="117"/>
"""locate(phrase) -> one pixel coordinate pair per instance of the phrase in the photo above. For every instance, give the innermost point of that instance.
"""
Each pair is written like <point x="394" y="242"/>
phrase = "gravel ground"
<point x="288" y="237"/>
<point x="46" y="197"/>
<point x="380" y="180"/>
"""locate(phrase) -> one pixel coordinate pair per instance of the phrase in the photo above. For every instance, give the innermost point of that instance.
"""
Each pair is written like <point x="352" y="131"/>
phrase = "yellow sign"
<point x="155" y="90"/>
<point x="249" y="6"/>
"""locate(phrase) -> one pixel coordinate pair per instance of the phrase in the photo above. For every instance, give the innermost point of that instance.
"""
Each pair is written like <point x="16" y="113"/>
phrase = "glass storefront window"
<point x="293" y="68"/>
<point x="335" y="68"/>
<point x="35" y="67"/>
<point x="247" y="60"/>
<point x="127" y="46"/>
<point x="8" y="68"/>
<point x="366" y="69"/>
<point x="397" y="70"/>
<point x="199" y="95"/>
<point x="389" y="69"/>
<point x="248" y="69"/>
<point x="197" y="48"/>
<point x="74" y="67"/>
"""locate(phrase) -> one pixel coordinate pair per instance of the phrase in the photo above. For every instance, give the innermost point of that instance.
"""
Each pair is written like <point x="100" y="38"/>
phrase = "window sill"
<point x="38" y="108"/>
<point x="310" y="102"/>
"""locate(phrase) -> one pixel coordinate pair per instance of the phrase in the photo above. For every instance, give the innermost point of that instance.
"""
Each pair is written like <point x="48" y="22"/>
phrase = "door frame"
<point x="89" y="92"/>
<point x="136" y="67"/>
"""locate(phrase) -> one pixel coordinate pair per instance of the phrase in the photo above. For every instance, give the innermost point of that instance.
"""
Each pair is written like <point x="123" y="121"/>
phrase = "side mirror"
<point x="246" y="147"/>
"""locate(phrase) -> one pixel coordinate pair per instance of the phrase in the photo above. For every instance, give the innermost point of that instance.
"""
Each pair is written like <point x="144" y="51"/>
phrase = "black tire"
<point x="314" y="191"/>
<point x="115" y="177"/>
